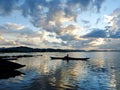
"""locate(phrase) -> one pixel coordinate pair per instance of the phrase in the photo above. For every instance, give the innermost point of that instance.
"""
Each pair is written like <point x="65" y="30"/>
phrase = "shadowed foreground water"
<point x="101" y="72"/>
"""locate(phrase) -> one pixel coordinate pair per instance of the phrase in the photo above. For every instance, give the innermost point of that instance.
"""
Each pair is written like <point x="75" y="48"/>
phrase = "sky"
<point x="63" y="24"/>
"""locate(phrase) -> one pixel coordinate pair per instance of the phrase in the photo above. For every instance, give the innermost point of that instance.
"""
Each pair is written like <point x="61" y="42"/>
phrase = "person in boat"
<point x="66" y="58"/>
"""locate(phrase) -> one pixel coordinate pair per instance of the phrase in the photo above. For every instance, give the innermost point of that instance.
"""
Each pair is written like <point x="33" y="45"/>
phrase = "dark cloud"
<point x="82" y="3"/>
<point x="111" y="43"/>
<point x="30" y="7"/>
<point x="97" y="21"/>
<point x="98" y="4"/>
<point x="7" y="6"/>
<point x="67" y="37"/>
<point x="99" y="33"/>
<point x="85" y="21"/>
<point x="96" y="33"/>
<point x="115" y="35"/>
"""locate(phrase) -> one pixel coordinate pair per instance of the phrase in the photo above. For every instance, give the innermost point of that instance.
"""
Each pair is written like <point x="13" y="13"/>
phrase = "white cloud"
<point x="108" y="19"/>
<point x="13" y="26"/>
<point x="97" y="42"/>
<point x="1" y="38"/>
<point x="5" y="42"/>
<point x="111" y="43"/>
<point x="113" y="21"/>
<point x="23" y="36"/>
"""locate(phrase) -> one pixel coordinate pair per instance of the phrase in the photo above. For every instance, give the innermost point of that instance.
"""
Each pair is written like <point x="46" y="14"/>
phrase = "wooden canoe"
<point x="69" y="58"/>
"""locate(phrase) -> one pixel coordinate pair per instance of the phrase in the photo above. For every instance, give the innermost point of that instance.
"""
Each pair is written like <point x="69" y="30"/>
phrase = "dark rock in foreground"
<point x="5" y="74"/>
<point x="7" y="65"/>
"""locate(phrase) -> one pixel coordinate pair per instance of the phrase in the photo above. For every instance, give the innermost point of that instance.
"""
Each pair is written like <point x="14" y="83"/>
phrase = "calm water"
<point x="101" y="72"/>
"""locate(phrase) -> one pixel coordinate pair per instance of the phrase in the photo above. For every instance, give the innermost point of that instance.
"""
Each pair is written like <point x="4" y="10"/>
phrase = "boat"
<point x="69" y="58"/>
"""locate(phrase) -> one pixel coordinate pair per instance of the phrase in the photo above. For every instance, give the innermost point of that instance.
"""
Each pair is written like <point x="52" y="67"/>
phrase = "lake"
<point x="100" y="72"/>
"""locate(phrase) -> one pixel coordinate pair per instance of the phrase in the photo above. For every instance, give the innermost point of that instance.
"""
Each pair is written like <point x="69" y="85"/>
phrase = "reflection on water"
<point x="101" y="72"/>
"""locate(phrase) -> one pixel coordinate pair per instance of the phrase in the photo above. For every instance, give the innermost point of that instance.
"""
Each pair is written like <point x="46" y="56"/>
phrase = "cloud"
<point x="111" y="43"/>
<point x="85" y="21"/>
<point x="93" y="43"/>
<point x="29" y="7"/>
<point x="114" y="34"/>
<point x="42" y="12"/>
<point x="97" y="42"/>
<point x="7" y="6"/>
<point x="70" y="29"/>
<point x="96" y="33"/>
<point x="82" y="43"/>
<point x="51" y="37"/>
<point x="25" y="36"/>
<point x="98" y="4"/>
<point x="1" y="38"/>
<point x="113" y="24"/>
<point x="53" y="8"/>
<point x="15" y="34"/>
<point x="99" y="33"/>
<point x="70" y="32"/>
<point x="51" y="16"/>
<point x="13" y="26"/>
<point x="67" y="37"/>
<point x="79" y="44"/>
<point x="6" y="42"/>
<point x="16" y="29"/>
<point x="97" y="21"/>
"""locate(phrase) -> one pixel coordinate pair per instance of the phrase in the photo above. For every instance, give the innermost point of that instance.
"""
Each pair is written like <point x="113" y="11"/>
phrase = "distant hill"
<point x="29" y="49"/>
<point x="17" y="49"/>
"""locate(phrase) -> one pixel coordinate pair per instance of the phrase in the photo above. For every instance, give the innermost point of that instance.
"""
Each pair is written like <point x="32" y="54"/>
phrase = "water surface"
<point x="101" y="72"/>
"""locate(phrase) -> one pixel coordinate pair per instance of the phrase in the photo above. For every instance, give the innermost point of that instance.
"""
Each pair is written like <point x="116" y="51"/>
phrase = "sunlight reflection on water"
<point x="41" y="73"/>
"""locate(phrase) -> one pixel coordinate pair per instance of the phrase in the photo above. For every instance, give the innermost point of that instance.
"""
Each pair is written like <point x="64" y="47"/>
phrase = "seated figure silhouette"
<point x="66" y="58"/>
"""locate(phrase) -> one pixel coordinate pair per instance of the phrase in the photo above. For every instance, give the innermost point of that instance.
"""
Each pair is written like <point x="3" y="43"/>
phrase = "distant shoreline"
<point x="28" y="50"/>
